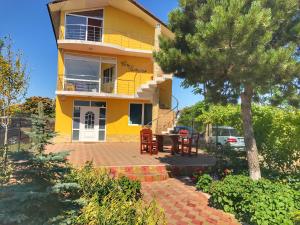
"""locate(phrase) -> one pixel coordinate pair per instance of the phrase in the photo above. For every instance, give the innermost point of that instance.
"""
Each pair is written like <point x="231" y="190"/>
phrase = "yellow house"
<point x="108" y="85"/>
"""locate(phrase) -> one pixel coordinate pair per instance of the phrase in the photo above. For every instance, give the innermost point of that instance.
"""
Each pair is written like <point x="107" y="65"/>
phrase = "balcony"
<point x="96" y="39"/>
<point x="83" y="32"/>
<point x="118" y="88"/>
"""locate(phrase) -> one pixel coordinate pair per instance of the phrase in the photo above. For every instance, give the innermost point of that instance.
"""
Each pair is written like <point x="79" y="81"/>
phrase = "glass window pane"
<point x="135" y="116"/>
<point x="70" y="19"/>
<point x="76" y="112"/>
<point x="81" y="103"/>
<point x="102" y="113"/>
<point x="102" y="124"/>
<point x="98" y="104"/>
<point x="76" y="27"/>
<point x="101" y="135"/>
<point x="147" y="114"/>
<point x="76" y="122"/>
<point x="93" y="13"/>
<point x="84" y="69"/>
<point x="76" y="135"/>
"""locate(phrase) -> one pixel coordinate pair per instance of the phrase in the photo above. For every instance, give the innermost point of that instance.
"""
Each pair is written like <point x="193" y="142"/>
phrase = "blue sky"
<point x="28" y="23"/>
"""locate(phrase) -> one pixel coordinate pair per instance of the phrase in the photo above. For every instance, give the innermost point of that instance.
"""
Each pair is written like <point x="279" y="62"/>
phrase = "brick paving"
<point x="183" y="205"/>
<point x="125" y="154"/>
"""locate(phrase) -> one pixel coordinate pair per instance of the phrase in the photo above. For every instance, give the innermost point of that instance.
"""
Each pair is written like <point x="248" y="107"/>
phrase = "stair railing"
<point x="174" y="110"/>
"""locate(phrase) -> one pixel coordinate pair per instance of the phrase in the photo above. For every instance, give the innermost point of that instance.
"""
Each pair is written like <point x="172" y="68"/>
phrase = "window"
<point x="89" y="120"/>
<point x="108" y="75"/>
<point x="148" y="114"/>
<point x="136" y="112"/>
<point x="140" y="114"/>
<point x="86" y="25"/>
<point x="82" y="73"/>
<point x="76" y="122"/>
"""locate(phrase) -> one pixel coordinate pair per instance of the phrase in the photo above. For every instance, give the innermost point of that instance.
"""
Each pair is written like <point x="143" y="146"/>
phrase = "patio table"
<point x="173" y="137"/>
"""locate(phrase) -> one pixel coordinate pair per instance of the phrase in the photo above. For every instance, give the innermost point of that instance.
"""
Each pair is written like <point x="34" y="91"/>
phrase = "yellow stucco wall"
<point x="126" y="30"/>
<point x="117" y="127"/>
<point x="121" y="29"/>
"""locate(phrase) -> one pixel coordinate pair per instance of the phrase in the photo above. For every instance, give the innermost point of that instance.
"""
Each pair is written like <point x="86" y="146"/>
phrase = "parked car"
<point x="226" y="138"/>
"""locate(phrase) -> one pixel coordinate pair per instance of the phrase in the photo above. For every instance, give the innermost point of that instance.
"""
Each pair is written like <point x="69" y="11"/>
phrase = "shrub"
<point x="276" y="131"/>
<point x="254" y="202"/>
<point x="204" y="182"/>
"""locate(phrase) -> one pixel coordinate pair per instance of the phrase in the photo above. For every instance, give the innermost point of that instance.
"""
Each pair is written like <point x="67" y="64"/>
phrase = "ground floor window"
<point x="89" y="121"/>
<point x="140" y="114"/>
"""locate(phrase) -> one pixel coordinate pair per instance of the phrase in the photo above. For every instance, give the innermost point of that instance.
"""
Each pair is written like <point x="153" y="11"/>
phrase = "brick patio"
<point x="125" y="154"/>
<point x="183" y="205"/>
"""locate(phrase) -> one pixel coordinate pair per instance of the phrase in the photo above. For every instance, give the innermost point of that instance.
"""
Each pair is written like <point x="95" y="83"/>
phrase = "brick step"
<point x="141" y="173"/>
<point x="154" y="173"/>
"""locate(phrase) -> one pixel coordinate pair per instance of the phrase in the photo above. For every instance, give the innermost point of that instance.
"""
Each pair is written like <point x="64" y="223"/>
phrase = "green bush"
<point x="255" y="202"/>
<point x="276" y="131"/>
<point x="111" y="201"/>
<point x="204" y="182"/>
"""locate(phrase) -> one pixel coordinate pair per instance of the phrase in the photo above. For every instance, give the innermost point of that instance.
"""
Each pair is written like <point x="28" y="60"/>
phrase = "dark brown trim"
<point x="148" y="12"/>
<point x="134" y="2"/>
<point x="48" y="7"/>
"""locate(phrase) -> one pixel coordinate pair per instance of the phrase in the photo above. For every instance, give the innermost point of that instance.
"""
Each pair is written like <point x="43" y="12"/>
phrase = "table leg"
<point x="160" y="143"/>
<point x="174" y="147"/>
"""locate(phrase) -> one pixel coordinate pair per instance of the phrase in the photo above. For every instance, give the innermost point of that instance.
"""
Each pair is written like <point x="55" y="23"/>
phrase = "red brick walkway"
<point x="184" y="205"/>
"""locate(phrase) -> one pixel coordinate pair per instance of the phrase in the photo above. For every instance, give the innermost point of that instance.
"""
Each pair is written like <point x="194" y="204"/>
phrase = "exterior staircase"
<point x="147" y="90"/>
<point x="167" y="119"/>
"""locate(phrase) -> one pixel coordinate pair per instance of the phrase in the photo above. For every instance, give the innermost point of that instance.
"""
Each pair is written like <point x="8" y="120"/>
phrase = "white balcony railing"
<point x="134" y="40"/>
<point x="83" y="32"/>
<point x="117" y="86"/>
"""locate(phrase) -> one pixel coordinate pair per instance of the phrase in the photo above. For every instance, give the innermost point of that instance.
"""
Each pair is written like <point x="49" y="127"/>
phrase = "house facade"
<point x="108" y="85"/>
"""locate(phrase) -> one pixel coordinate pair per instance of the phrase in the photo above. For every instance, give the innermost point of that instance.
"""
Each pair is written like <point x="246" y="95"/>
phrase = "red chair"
<point x="183" y="140"/>
<point x="148" y="143"/>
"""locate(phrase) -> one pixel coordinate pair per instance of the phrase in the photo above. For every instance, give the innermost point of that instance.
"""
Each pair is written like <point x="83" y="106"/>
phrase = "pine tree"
<point x="239" y="49"/>
<point x="40" y="195"/>
<point x="41" y="134"/>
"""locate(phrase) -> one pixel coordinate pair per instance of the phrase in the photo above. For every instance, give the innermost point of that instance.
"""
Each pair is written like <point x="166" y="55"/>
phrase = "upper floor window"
<point x="84" y="25"/>
<point x="108" y="75"/>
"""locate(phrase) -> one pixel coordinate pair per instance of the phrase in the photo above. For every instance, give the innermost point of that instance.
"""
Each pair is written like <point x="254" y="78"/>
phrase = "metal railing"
<point x="133" y="40"/>
<point x="123" y="86"/>
<point x="164" y="118"/>
<point x="83" y="32"/>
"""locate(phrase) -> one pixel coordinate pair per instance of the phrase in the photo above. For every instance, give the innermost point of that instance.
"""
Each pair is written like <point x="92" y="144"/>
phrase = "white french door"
<point x="89" y="124"/>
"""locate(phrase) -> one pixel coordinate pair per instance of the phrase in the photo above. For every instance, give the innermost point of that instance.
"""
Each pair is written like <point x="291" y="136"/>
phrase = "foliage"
<point x="36" y="198"/>
<point x="297" y="217"/>
<point x="30" y="106"/>
<point x="235" y="49"/>
<point x="255" y="202"/>
<point x="13" y="85"/>
<point x="41" y="134"/>
<point x="203" y="182"/>
<point x="228" y="45"/>
<point x="5" y="170"/>
<point x="188" y="115"/>
<point x="112" y="201"/>
<point x="276" y="131"/>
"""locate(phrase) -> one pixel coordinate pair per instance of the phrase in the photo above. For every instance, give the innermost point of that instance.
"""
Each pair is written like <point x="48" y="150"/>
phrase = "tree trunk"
<point x="250" y="142"/>
<point x="5" y="142"/>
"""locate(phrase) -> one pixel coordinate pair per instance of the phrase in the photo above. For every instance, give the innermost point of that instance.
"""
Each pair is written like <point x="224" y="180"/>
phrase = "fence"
<point x="17" y="132"/>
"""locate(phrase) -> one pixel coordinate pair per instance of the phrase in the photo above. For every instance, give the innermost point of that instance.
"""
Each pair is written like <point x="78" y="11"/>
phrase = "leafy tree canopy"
<point x="30" y="105"/>
<point x="227" y="44"/>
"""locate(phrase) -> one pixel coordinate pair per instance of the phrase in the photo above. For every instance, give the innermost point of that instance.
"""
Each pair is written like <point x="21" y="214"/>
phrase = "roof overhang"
<point x="128" y="6"/>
